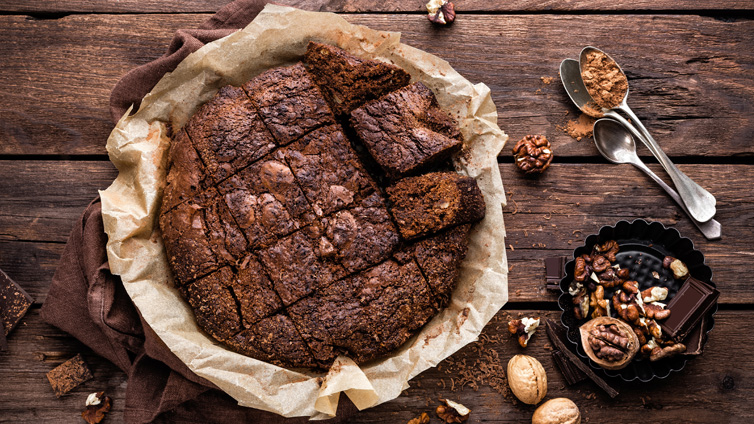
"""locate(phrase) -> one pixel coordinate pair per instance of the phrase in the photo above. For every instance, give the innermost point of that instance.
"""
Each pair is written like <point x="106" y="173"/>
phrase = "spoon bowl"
<point x="615" y="142"/>
<point x="699" y="201"/>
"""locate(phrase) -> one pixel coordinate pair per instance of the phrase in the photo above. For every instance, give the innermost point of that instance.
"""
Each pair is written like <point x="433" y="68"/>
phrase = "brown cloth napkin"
<point x="88" y="302"/>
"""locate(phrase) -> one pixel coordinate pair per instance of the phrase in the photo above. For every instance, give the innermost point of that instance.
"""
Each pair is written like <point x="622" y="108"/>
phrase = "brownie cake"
<point x="284" y="244"/>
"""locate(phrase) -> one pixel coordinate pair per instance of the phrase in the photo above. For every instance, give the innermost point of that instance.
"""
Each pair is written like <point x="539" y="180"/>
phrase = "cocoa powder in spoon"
<point x="603" y="79"/>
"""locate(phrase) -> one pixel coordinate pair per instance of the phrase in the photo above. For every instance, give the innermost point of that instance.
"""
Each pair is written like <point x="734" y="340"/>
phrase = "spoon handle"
<point x="700" y="203"/>
<point x="711" y="229"/>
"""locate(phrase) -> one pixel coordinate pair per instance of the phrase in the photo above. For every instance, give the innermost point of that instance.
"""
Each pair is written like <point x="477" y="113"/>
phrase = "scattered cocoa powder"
<point x="603" y="79"/>
<point x="580" y="127"/>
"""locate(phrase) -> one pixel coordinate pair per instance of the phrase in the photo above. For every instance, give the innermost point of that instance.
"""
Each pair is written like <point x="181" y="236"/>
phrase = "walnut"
<point x="598" y="302"/>
<point x="581" y="269"/>
<point x="609" y="249"/>
<point x="654" y="294"/>
<point x="581" y="300"/>
<point x="441" y="12"/>
<point x="452" y="412"/>
<point x="609" y="342"/>
<point x="656" y="310"/>
<point x="527" y="379"/>
<point x="680" y="270"/>
<point x="97" y="405"/>
<point x="667" y="351"/>
<point x="421" y="419"/>
<point x="523" y="329"/>
<point x="600" y="263"/>
<point x="557" y="411"/>
<point x="533" y="154"/>
<point x="626" y="307"/>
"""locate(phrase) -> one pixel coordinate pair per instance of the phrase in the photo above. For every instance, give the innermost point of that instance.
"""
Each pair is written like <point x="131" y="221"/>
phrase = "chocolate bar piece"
<point x="3" y="340"/>
<point x="552" y="332"/>
<point x="66" y="376"/>
<point x="692" y="302"/>
<point x="14" y="302"/>
<point x="695" y="340"/>
<point x="571" y="373"/>
<point x="554" y="271"/>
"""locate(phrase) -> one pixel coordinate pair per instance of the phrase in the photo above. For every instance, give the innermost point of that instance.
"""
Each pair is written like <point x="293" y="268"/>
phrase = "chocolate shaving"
<point x="571" y="373"/>
<point x="558" y="343"/>
<point x="554" y="271"/>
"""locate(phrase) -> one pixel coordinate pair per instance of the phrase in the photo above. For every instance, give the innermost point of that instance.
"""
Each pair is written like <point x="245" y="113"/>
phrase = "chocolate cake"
<point x="406" y="131"/>
<point x="429" y="203"/>
<point x="282" y="240"/>
<point x="348" y="81"/>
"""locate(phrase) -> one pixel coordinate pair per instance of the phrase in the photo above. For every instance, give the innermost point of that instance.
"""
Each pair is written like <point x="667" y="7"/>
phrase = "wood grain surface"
<point x="690" y="69"/>
<point x="711" y="389"/>
<point x="362" y="6"/>
<point x="696" y="100"/>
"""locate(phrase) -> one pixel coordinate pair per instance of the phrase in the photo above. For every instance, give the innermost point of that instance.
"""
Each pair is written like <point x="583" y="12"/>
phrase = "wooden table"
<point x="690" y="70"/>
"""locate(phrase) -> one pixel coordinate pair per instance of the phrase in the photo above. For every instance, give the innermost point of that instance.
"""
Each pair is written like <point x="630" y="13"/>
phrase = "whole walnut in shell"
<point x="527" y="379"/>
<point x="557" y="411"/>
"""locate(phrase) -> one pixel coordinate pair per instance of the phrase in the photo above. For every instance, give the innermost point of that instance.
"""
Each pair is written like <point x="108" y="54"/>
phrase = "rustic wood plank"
<point x="711" y="388"/>
<point x="696" y="98"/>
<point x="547" y="216"/>
<point x="364" y="6"/>
<point x="42" y="200"/>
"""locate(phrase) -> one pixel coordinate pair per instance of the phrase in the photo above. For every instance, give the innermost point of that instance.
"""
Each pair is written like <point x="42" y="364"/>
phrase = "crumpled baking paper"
<point x="138" y="148"/>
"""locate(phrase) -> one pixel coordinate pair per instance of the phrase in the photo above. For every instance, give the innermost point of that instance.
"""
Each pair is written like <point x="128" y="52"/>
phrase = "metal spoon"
<point x="700" y="202"/>
<point x="617" y="145"/>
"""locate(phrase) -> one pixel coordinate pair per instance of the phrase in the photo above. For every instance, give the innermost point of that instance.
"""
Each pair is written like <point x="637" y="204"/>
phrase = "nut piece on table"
<point x="533" y="154"/>
<point x="421" y="419"/>
<point x="452" y="412"/>
<point x="97" y="405"/>
<point x="609" y="342"/>
<point x="680" y="270"/>
<point x="557" y="411"/>
<point x="527" y="379"/>
<point x="441" y="12"/>
<point x="523" y="329"/>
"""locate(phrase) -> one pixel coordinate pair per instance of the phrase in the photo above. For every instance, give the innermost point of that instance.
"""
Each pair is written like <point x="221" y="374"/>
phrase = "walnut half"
<point x="609" y="342"/>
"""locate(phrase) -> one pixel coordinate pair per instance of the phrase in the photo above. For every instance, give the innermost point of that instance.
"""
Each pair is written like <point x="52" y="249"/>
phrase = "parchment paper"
<point x="138" y="145"/>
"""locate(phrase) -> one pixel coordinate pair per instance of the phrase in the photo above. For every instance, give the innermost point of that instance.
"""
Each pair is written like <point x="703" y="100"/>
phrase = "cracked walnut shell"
<point x="533" y="154"/>
<point x="527" y="379"/>
<point x="609" y="342"/>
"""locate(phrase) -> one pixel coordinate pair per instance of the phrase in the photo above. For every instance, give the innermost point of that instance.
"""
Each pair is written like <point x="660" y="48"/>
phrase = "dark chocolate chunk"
<point x="692" y="302"/>
<point x="571" y="373"/>
<point x="552" y="332"/>
<point x="14" y="302"/>
<point x="68" y="375"/>
<point x="694" y="342"/>
<point x="554" y="271"/>
<point x="3" y="340"/>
